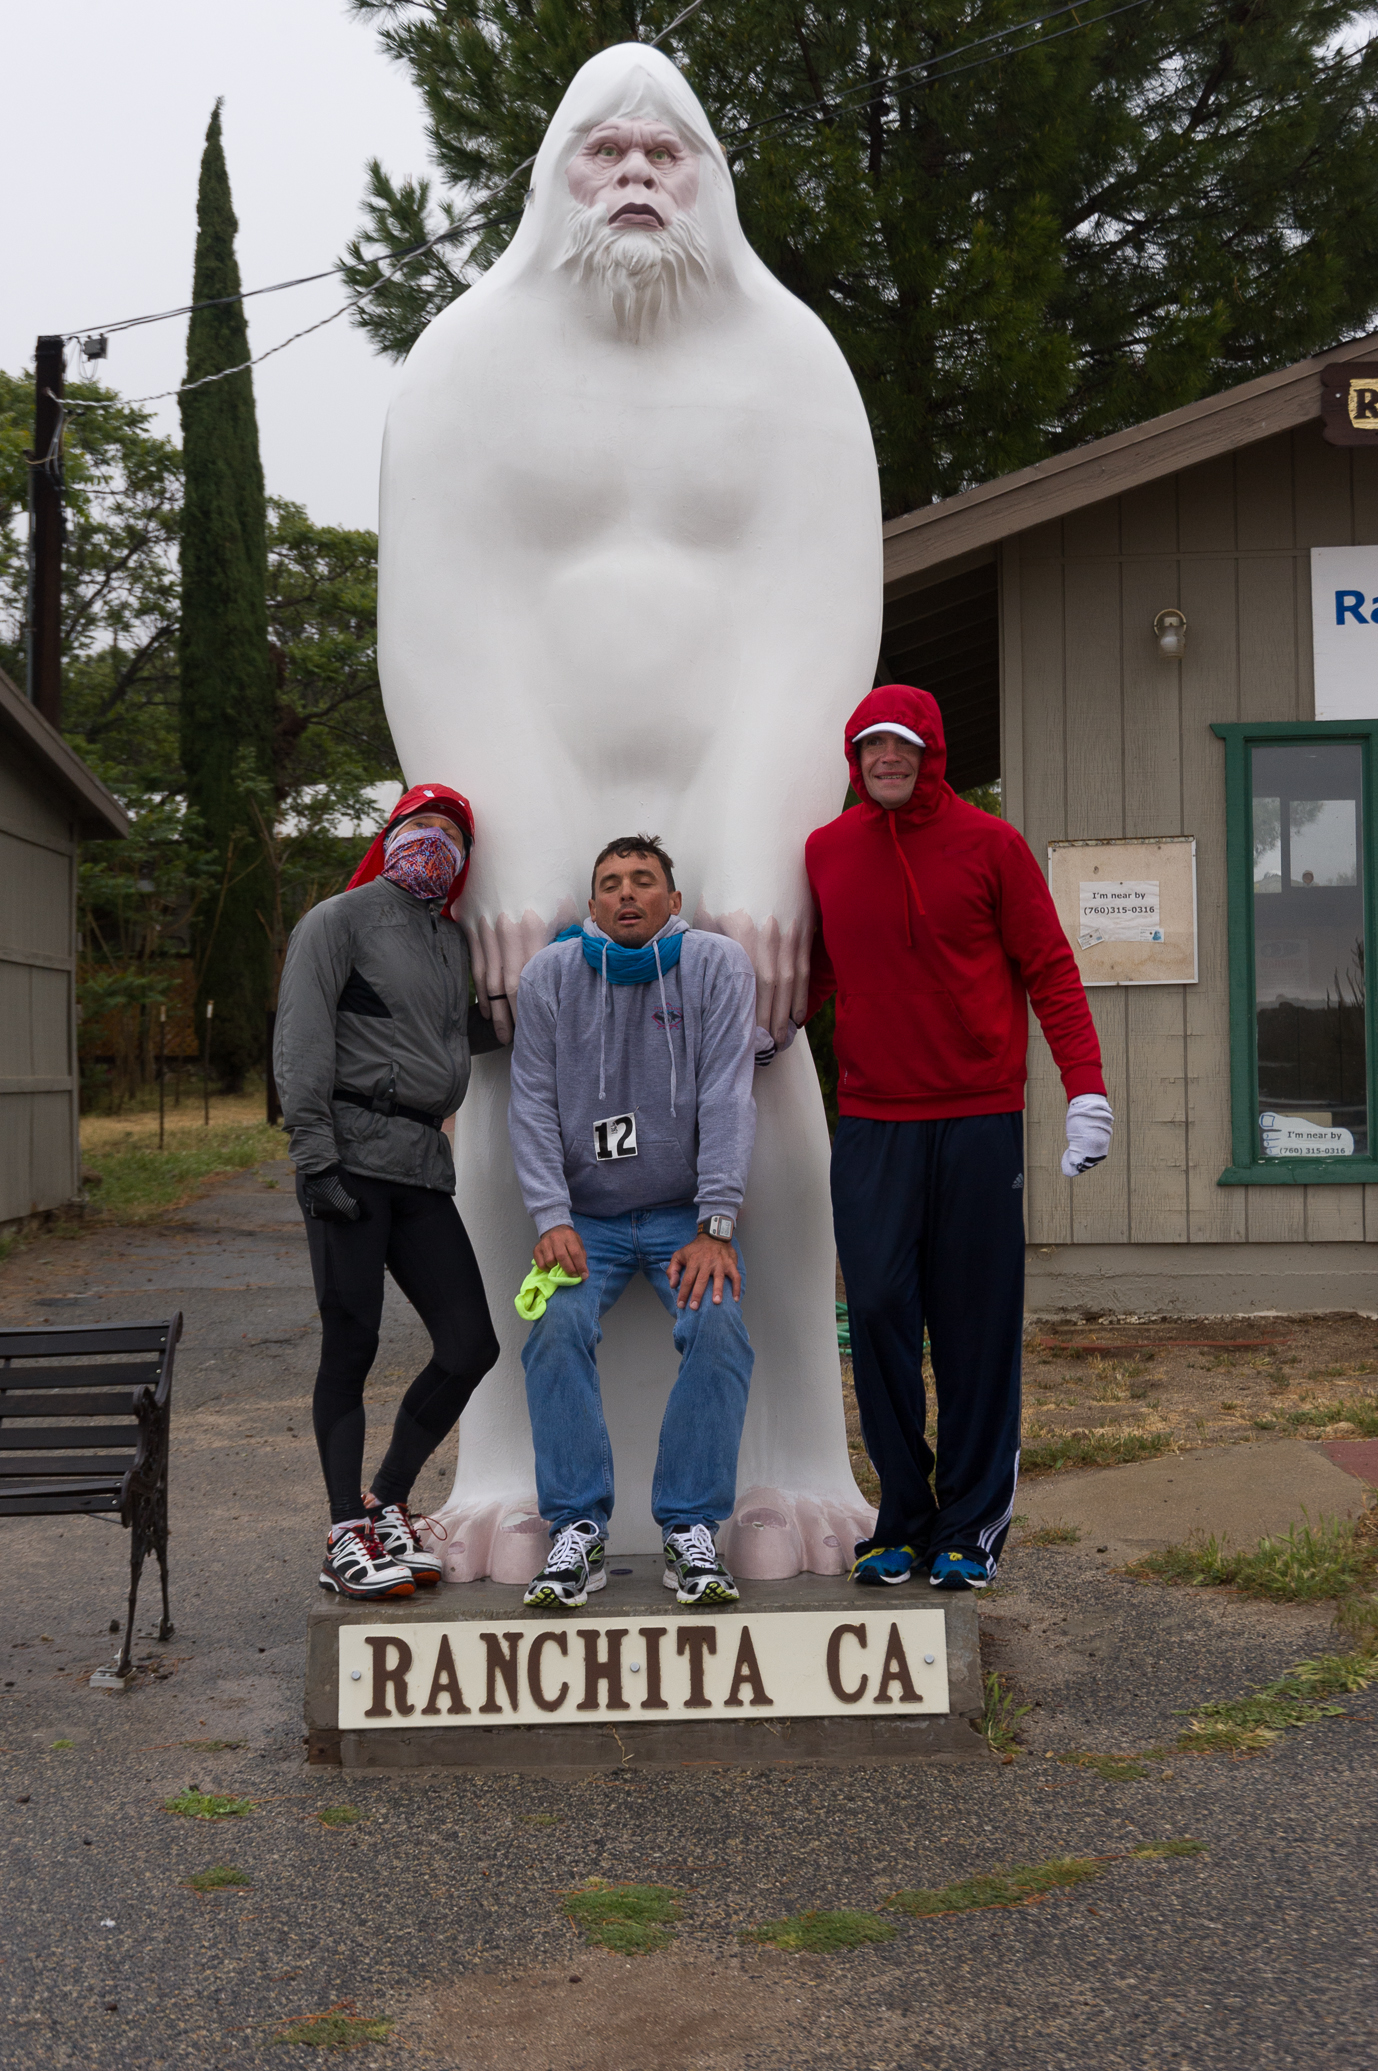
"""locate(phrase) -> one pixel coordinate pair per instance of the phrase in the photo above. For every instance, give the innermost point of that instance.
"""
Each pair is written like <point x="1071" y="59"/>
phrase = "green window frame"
<point x="1250" y="1168"/>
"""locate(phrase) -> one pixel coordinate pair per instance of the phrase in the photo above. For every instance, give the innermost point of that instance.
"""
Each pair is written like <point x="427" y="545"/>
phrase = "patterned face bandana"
<point x="424" y="861"/>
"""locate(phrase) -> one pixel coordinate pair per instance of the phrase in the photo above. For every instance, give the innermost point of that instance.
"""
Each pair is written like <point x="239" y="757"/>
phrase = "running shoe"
<point x="400" y="1541"/>
<point x="356" y="1565"/>
<point x="694" y="1571"/>
<point x="884" y="1564"/>
<point x="958" y="1571"/>
<point x="575" y="1566"/>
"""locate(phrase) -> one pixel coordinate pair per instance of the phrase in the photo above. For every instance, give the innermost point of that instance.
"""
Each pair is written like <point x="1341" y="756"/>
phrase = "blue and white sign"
<point x="1344" y="631"/>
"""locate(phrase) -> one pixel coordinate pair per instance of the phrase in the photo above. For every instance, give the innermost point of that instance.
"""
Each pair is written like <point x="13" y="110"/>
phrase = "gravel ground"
<point x="439" y="1909"/>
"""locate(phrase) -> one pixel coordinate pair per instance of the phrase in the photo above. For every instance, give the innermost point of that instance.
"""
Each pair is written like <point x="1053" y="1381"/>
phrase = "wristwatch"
<point x="720" y="1226"/>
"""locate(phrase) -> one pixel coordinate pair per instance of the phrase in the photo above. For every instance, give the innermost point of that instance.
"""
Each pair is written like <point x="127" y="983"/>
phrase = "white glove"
<point x="767" y="1049"/>
<point x="1090" y="1126"/>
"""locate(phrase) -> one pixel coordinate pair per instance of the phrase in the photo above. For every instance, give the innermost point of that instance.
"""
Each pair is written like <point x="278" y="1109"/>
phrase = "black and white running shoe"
<point x="356" y="1565"/>
<point x="693" y="1570"/>
<point x="400" y="1541"/>
<point x="574" y="1568"/>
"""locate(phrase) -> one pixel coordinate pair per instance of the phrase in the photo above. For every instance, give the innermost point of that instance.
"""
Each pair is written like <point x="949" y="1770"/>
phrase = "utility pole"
<point x="45" y="534"/>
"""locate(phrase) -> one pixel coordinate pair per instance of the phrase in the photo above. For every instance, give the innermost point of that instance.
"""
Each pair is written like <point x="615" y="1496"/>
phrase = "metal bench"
<point x="84" y="1418"/>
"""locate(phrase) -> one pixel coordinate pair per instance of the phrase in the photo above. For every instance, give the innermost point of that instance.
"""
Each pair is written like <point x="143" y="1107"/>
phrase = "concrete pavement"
<point x="439" y="1909"/>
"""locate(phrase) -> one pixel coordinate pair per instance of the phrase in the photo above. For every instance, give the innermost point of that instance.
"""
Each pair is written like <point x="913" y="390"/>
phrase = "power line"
<point x="887" y="80"/>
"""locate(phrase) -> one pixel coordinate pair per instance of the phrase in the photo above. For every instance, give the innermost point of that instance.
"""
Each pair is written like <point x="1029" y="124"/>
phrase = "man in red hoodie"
<point x="935" y="929"/>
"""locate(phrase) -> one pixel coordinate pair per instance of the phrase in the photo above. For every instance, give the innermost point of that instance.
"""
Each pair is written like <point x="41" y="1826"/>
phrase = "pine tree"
<point x="226" y="674"/>
<point x="1021" y="236"/>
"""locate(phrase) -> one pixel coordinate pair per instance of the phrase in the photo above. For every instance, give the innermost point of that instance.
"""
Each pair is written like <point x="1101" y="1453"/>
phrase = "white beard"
<point x="647" y="274"/>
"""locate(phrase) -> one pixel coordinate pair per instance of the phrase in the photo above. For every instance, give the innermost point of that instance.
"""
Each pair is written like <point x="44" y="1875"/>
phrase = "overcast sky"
<point x="105" y="120"/>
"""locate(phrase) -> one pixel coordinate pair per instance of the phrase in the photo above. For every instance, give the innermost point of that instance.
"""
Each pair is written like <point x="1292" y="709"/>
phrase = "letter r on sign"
<point x="1349" y="604"/>
<point x="387" y="1675"/>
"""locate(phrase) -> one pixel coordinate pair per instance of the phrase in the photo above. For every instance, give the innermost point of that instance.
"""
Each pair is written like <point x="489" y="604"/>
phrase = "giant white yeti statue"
<point x="630" y="578"/>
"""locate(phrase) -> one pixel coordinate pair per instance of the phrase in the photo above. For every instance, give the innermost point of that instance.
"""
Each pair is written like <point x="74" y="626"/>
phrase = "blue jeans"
<point x="696" y="1467"/>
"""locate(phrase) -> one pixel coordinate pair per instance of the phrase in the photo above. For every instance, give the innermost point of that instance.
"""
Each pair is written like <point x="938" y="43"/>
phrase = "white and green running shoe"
<point x="693" y="1570"/>
<point x="574" y="1568"/>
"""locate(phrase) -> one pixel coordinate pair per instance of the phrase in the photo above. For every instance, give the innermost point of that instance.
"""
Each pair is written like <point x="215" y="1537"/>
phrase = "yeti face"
<point x="635" y="236"/>
<point x="641" y="172"/>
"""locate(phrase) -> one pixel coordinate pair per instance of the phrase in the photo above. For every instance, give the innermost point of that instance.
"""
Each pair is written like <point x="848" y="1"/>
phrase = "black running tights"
<point x="417" y="1234"/>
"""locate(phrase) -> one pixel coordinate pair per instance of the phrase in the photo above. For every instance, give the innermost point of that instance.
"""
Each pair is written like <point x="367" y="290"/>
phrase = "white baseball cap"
<point x="890" y="726"/>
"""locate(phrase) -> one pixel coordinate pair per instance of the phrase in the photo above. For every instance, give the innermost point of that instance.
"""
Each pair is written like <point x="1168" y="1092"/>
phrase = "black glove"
<point x="329" y="1199"/>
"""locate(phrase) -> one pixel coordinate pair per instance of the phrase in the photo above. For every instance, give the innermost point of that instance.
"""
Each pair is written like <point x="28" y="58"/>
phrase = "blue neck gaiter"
<point x="625" y="966"/>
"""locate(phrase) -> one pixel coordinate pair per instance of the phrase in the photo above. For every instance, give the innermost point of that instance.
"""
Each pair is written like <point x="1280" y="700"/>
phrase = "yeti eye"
<point x="607" y="151"/>
<point x="662" y="156"/>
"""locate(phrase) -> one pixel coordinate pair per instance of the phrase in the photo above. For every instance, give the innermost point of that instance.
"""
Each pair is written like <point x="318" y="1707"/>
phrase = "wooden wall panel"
<point x="1323" y="490"/>
<point x="1265" y="512"/>
<point x="1112" y="741"/>
<point x="1207" y="502"/>
<point x="1210" y="692"/>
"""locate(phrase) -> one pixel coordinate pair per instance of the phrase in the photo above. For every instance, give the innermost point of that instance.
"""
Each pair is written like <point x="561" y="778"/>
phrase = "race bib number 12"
<point x="614" y="1138"/>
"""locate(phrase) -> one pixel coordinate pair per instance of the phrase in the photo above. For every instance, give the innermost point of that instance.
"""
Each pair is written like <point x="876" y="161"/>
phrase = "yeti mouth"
<point x="637" y="212"/>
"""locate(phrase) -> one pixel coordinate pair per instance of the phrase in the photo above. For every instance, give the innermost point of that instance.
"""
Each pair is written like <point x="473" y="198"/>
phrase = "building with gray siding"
<point x="1241" y="1177"/>
<point x="49" y="801"/>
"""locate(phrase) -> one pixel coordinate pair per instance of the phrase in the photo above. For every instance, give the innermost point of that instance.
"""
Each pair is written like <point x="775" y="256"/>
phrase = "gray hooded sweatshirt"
<point x="375" y="999"/>
<point x="634" y="1096"/>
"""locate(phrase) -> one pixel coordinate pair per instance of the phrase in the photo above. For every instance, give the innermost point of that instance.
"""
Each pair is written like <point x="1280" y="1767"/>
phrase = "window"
<point x="1300" y="831"/>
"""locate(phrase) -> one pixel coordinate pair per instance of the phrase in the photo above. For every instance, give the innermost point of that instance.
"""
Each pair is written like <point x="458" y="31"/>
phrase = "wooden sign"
<point x="1128" y="908"/>
<point x="1349" y="403"/>
<point x="581" y="1671"/>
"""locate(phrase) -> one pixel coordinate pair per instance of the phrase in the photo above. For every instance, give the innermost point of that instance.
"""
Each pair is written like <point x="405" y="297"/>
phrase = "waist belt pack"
<point x="378" y="1106"/>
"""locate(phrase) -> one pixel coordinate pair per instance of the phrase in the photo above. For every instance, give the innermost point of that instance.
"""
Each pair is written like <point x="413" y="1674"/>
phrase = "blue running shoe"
<point x="884" y="1564"/>
<point x="955" y="1571"/>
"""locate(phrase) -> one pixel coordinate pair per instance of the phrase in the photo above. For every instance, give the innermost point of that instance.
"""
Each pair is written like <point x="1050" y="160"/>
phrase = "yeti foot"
<point x="775" y="1533"/>
<point x="502" y="1538"/>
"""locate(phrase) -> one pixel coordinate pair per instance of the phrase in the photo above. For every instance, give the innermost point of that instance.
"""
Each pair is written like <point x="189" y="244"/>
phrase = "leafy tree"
<point x="226" y="677"/>
<point x="140" y="899"/>
<point x="1019" y="243"/>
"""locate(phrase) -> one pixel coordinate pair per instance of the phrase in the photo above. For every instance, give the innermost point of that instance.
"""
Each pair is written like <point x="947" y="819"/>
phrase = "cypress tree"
<point x="226" y="673"/>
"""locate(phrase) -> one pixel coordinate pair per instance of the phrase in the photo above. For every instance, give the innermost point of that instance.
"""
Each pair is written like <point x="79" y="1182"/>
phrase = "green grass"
<point x="1052" y="1535"/>
<point x="1361" y="1411"/>
<point x="628" y="1918"/>
<point x="1110" y="1768"/>
<point x="64" y="1743"/>
<point x="1022" y="1886"/>
<point x="338" y="2028"/>
<point x="1306" y="1564"/>
<point x="138" y="1181"/>
<point x="821" y="1934"/>
<point x="221" y="1878"/>
<point x="341" y="1816"/>
<point x="1091" y="1449"/>
<point x="193" y="1804"/>
<point x="538" y="1819"/>
<point x="1246" y="1725"/>
<point x="1000" y="1715"/>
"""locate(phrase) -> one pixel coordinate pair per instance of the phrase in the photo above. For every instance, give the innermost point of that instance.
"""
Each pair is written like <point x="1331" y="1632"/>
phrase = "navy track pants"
<point x="930" y="1232"/>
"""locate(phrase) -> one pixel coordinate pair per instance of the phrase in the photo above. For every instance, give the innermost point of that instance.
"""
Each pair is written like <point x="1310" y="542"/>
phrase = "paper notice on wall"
<point x="1121" y="910"/>
<point x="1295" y="1136"/>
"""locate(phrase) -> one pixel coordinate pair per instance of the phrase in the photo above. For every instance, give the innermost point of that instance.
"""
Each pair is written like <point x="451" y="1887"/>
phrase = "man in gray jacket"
<point x="632" y="1121"/>
<point x="371" y="1052"/>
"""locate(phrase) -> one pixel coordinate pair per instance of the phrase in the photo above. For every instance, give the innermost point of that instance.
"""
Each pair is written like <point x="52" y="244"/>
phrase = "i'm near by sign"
<point x="786" y="1664"/>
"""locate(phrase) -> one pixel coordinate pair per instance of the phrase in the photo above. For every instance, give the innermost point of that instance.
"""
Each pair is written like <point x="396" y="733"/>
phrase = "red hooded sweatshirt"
<point x="935" y="928"/>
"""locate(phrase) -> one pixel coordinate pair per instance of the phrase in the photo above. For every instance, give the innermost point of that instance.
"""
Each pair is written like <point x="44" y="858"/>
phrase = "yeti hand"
<point x="499" y="951"/>
<point x="780" y="957"/>
<point x="1090" y="1126"/>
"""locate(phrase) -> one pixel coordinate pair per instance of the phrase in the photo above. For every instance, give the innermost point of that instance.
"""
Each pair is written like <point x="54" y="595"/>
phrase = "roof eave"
<point x="99" y="814"/>
<point x="1107" y="467"/>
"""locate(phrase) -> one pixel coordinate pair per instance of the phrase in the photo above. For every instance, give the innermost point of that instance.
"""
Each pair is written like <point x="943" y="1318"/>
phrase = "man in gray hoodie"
<point x="632" y="1121"/>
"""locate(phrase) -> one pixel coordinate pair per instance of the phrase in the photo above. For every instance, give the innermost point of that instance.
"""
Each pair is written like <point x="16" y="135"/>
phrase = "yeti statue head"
<point x="631" y="201"/>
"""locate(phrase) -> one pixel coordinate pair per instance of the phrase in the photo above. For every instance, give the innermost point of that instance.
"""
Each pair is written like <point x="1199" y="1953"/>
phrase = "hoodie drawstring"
<point x="603" y="1026"/>
<point x="665" y="1015"/>
<point x="913" y="887"/>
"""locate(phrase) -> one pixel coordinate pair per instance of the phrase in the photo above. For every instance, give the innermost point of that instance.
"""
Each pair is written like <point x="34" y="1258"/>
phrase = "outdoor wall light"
<point x="1171" y="629"/>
